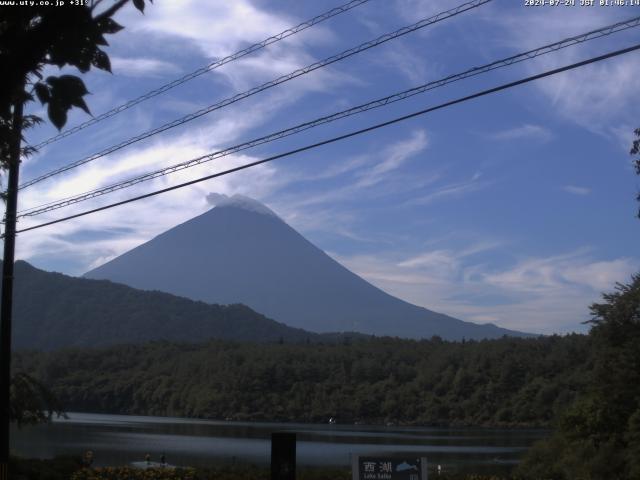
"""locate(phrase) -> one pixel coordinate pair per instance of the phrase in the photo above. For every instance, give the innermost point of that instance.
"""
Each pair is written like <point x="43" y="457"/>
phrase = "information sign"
<point x="389" y="467"/>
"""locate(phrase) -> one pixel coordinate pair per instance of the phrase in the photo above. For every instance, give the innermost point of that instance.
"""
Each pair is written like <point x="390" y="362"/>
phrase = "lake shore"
<point x="122" y="440"/>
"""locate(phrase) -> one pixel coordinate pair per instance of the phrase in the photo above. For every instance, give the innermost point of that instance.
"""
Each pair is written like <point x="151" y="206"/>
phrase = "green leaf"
<point x="29" y="121"/>
<point x="108" y="25"/>
<point x="42" y="91"/>
<point x="57" y="114"/>
<point x="100" y="40"/>
<point x="67" y="85"/>
<point x="66" y="91"/>
<point x="80" y="103"/>
<point x="139" y="4"/>
<point x="101" y="61"/>
<point x="83" y="63"/>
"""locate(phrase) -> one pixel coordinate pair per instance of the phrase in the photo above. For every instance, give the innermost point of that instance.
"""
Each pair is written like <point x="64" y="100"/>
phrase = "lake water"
<point x="123" y="439"/>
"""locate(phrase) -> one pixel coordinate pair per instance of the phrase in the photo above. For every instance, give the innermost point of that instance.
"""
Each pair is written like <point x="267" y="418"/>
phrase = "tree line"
<point x="598" y="435"/>
<point x="504" y="382"/>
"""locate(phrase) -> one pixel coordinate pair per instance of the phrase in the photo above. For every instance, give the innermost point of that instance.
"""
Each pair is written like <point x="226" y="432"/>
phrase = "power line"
<point x="282" y="79"/>
<point x="604" y="31"/>
<point x="345" y="136"/>
<point x="207" y="68"/>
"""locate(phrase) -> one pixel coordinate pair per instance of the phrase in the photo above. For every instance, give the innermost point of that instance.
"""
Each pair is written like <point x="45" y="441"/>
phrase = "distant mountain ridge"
<point x="52" y="310"/>
<point x="242" y="252"/>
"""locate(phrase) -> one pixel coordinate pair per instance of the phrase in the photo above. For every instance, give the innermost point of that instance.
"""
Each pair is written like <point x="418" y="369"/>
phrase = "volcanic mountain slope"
<point x="242" y="252"/>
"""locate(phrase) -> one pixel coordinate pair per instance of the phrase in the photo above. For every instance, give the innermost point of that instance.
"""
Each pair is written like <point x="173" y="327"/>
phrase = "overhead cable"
<point x="482" y="93"/>
<point x="282" y="79"/>
<point x="546" y="49"/>
<point x="207" y="68"/>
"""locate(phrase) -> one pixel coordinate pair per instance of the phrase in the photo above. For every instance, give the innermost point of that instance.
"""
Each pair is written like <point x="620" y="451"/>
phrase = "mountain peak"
<point x="227" y="257"/>
<point x="239" y="201"/>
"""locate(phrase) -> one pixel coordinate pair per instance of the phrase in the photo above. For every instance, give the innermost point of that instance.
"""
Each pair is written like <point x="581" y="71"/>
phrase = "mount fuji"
<point x="240" y="251"/>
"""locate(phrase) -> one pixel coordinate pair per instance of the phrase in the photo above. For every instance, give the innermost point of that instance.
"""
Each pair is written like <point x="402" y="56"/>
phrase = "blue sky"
<point x="516" y="209"/>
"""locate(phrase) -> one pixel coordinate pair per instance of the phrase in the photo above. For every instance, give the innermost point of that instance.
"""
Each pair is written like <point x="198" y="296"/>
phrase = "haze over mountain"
<point x="242" y="252"/>
<point x="51" y="311"/>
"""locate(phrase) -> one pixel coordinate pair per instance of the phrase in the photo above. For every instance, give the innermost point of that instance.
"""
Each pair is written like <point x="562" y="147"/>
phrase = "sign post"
<point x="283" y="456"/>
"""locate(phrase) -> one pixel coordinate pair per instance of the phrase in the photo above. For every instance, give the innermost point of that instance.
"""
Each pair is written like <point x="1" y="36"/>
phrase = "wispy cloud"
<point x="410" y="10"/>
<point x="592" y="96"/>
<point x="542" y="276"/>
<point x="576" y="190"/>
<point x="237" y="23"/>
<point x="452" y="190"/>
<point x="219" y="29"/>
<point x="365" y="175"/>
<point x="623" y="133"/>
<point x="393" y="157"/>
<point x="523" y="132"/>
<point x="142" y="67"/>
<point x="402" y="58"/>
<point x="540" y="294"/>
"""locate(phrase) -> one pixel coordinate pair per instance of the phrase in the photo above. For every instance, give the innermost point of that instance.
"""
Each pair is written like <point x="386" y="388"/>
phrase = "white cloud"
<point x="219" y="29"/>
<point x="404" y="60"/>
<point x="594" y="97"/>
<point x="576" y="190"/>
<point x="600" y="276"/>
<point x="536" y="275"/>
<point x="412" y="10"/>
<point x="542" y="295"/>
<point x="527" y="131"/>
<point x="393" y="157"/>
<point x="367" y="175"/>
<point x="623" y="133"/>
<point x="590" y="97"/>
<point x="216" y="28"/>
<point x="452" y="190"/>
<point x="320" y="220"/>
<point x="142" y="67"/>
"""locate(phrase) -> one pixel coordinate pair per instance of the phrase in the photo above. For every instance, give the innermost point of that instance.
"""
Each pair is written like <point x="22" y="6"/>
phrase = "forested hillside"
<point x="52" y="310"/>
<point x="495" y="382"/>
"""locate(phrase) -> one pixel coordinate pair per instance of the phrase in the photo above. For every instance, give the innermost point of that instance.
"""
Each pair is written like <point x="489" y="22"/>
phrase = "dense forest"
<point x="506" y="382"/>
<point x="598" y="436"/>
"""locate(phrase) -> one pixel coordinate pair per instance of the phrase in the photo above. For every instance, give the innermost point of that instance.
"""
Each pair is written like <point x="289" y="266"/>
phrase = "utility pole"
<point x="6" y="301"/>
